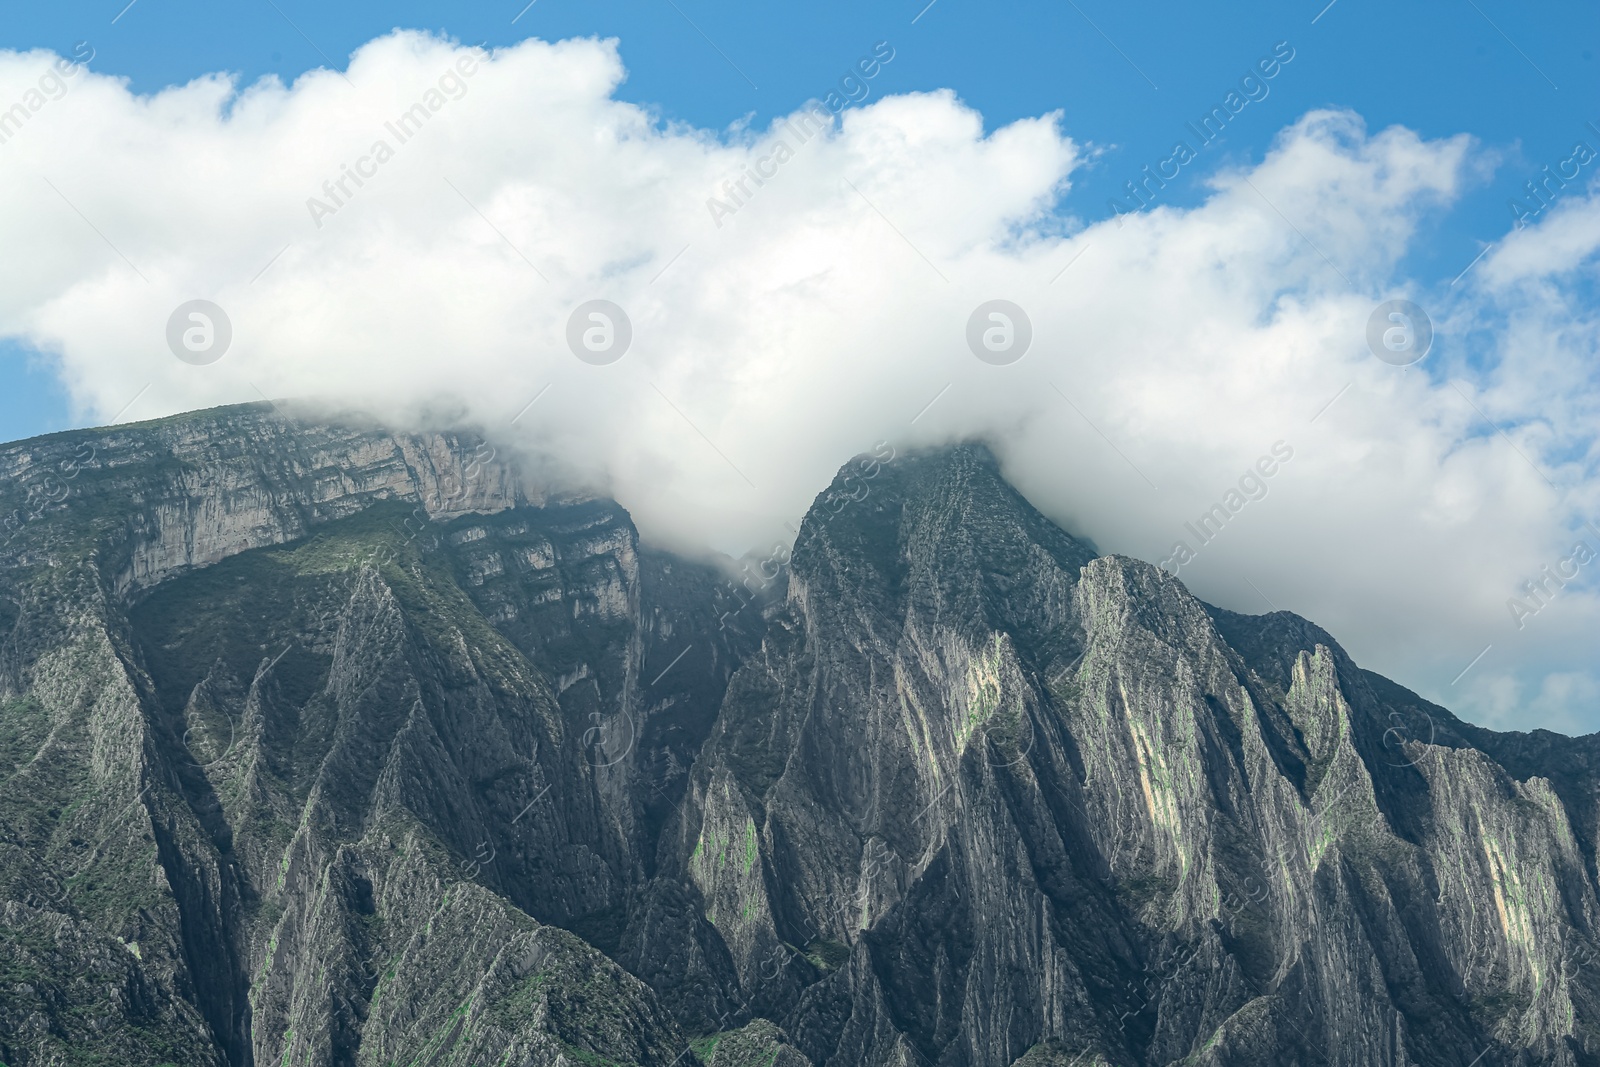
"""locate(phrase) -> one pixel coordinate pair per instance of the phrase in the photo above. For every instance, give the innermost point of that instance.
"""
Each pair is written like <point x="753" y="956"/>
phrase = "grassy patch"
<point x="24" y="725"/>
<point x="827" y="955"/>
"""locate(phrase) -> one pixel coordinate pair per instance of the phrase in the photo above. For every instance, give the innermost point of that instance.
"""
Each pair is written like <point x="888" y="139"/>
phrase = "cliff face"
<point x="335" y="746"/>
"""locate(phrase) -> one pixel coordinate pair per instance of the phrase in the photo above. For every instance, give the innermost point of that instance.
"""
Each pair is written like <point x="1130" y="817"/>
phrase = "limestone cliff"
<point x="329" y="745"/>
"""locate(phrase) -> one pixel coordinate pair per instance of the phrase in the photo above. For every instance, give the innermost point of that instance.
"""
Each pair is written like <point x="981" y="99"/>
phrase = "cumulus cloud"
<point x="797" y="293"/>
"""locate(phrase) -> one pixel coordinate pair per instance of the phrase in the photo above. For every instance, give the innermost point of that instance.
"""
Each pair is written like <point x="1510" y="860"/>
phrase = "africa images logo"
<point x="1252" y="486"/>
<point x="451" y="85"/>
<point x="1253" y="88"/>
<point x="51" y="86"/>
<point x="816" y="117"/>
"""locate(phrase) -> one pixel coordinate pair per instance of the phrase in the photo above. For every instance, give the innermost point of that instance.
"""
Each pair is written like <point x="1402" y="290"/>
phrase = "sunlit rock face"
<point x="333" y="745"/>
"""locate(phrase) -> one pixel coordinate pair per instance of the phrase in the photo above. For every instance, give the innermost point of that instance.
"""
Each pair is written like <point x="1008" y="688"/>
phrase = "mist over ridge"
<point x="1169" y="348"/>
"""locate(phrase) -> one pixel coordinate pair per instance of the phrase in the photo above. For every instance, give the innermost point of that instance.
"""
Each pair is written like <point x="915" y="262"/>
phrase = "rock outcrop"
<point x="328" y="745"/>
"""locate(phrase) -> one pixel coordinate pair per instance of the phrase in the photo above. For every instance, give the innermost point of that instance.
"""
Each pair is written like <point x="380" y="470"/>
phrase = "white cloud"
<point x="831" y="307"/>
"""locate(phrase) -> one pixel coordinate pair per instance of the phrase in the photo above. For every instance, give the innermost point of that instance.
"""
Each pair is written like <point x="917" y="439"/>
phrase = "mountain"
<point x="331" y="745"/>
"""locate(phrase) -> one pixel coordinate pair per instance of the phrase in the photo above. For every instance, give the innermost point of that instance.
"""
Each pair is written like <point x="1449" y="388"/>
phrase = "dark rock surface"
<point x="332" y="746"/>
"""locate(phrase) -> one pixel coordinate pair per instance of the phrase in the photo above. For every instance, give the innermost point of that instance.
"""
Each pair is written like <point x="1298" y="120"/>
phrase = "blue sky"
<point x="1126" y="78"/>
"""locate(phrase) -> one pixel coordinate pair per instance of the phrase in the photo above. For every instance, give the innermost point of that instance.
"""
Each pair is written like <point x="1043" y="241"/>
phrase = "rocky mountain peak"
<point x="326" y="744"/>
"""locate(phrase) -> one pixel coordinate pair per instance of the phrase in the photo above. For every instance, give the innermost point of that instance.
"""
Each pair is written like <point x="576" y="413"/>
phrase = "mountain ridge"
<point x="339" y="746"/>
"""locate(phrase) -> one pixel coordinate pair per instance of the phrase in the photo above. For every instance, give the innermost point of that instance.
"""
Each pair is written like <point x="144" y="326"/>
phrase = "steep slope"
<point x="980" y="793"/>
<point x="327" y="745"/>
<point x="274" y="787"/>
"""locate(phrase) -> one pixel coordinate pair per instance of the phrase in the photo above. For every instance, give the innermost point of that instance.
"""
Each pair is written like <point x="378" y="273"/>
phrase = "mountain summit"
<point x="334" y="746"/>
